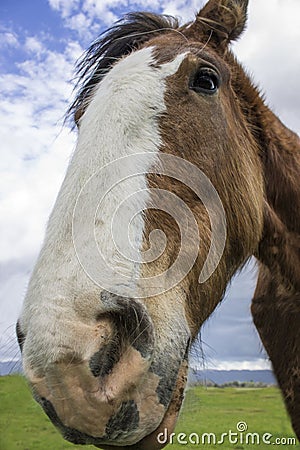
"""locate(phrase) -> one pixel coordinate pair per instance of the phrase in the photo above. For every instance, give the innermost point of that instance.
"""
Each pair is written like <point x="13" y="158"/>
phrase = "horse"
<point x="181" y="173"/>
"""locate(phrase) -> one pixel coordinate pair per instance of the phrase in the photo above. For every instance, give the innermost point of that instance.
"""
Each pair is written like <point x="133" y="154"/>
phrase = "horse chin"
<point x="90" y="423"/>
<point x="159" y="438"/>
<point x="152" y="441"/>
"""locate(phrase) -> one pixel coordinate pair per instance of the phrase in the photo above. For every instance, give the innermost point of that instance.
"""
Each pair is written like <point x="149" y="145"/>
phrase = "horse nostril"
<point x="132" y="327"/>
<point x="103" y="361"/>
<point x="132" y="322"/>
<point x="20" y="336"/>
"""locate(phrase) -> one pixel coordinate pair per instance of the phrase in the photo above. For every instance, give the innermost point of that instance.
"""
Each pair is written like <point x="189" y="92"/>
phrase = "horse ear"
<point x="220" y="22"/>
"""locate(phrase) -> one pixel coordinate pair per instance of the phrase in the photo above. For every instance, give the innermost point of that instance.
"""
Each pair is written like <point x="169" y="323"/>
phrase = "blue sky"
<point x="25" y="19"/>
<point x="40" y="41"/>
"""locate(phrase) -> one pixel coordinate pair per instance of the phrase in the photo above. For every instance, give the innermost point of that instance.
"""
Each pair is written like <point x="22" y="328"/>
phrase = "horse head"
<point x="163" y="201"/>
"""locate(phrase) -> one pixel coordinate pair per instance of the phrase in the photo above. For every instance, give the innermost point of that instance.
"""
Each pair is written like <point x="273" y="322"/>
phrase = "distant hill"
<point x="9" y="367"/>
<point x="195" y="376"/>
<point x="227" y="376"/>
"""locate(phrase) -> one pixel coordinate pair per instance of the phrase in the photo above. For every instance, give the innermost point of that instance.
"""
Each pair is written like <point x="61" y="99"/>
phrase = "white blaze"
<point x="122" y="119"/>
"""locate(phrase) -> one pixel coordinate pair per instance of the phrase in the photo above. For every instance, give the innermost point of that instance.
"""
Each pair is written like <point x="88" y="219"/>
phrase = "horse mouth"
<point x="89" y="416"/>
<point x="152" y="441"/>
<point x="124" y="387"/>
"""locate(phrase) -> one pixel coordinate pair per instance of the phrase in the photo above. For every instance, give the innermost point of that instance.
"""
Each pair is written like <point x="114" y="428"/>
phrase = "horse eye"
<point x="205" y="81"/>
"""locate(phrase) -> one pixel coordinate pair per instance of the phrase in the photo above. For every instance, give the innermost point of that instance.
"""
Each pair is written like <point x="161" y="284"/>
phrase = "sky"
<point x="40" y="41"/>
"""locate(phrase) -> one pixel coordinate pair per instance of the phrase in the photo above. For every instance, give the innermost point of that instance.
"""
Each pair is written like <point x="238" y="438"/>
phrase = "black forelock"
<point x="125" y="36"/>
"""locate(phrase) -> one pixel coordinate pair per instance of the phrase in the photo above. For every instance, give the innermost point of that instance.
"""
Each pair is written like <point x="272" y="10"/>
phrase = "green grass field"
<point x="23" y="425"/>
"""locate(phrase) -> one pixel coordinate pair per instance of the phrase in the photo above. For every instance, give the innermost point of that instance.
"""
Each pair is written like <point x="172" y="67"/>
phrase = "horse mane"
<point x="125" y="36"/>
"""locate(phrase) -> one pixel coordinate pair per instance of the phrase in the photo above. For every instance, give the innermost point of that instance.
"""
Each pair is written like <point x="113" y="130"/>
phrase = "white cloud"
<point x="253" y="364"/>
<point x="65" y="7"/>
<point x="79" y="22"/>
<point x="9" y="39"/>
<point x="34" y="45"/>
<point x="269" y="48"/>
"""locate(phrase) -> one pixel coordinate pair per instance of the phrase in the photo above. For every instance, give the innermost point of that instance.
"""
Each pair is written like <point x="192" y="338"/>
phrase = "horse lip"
<point x="150" y="442"/>
<point x="77" y="429"/>
<point x="108" y="404"/>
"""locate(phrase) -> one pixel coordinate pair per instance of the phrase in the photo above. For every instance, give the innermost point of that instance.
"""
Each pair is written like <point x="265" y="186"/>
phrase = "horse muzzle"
<point x="125" y="394"/>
